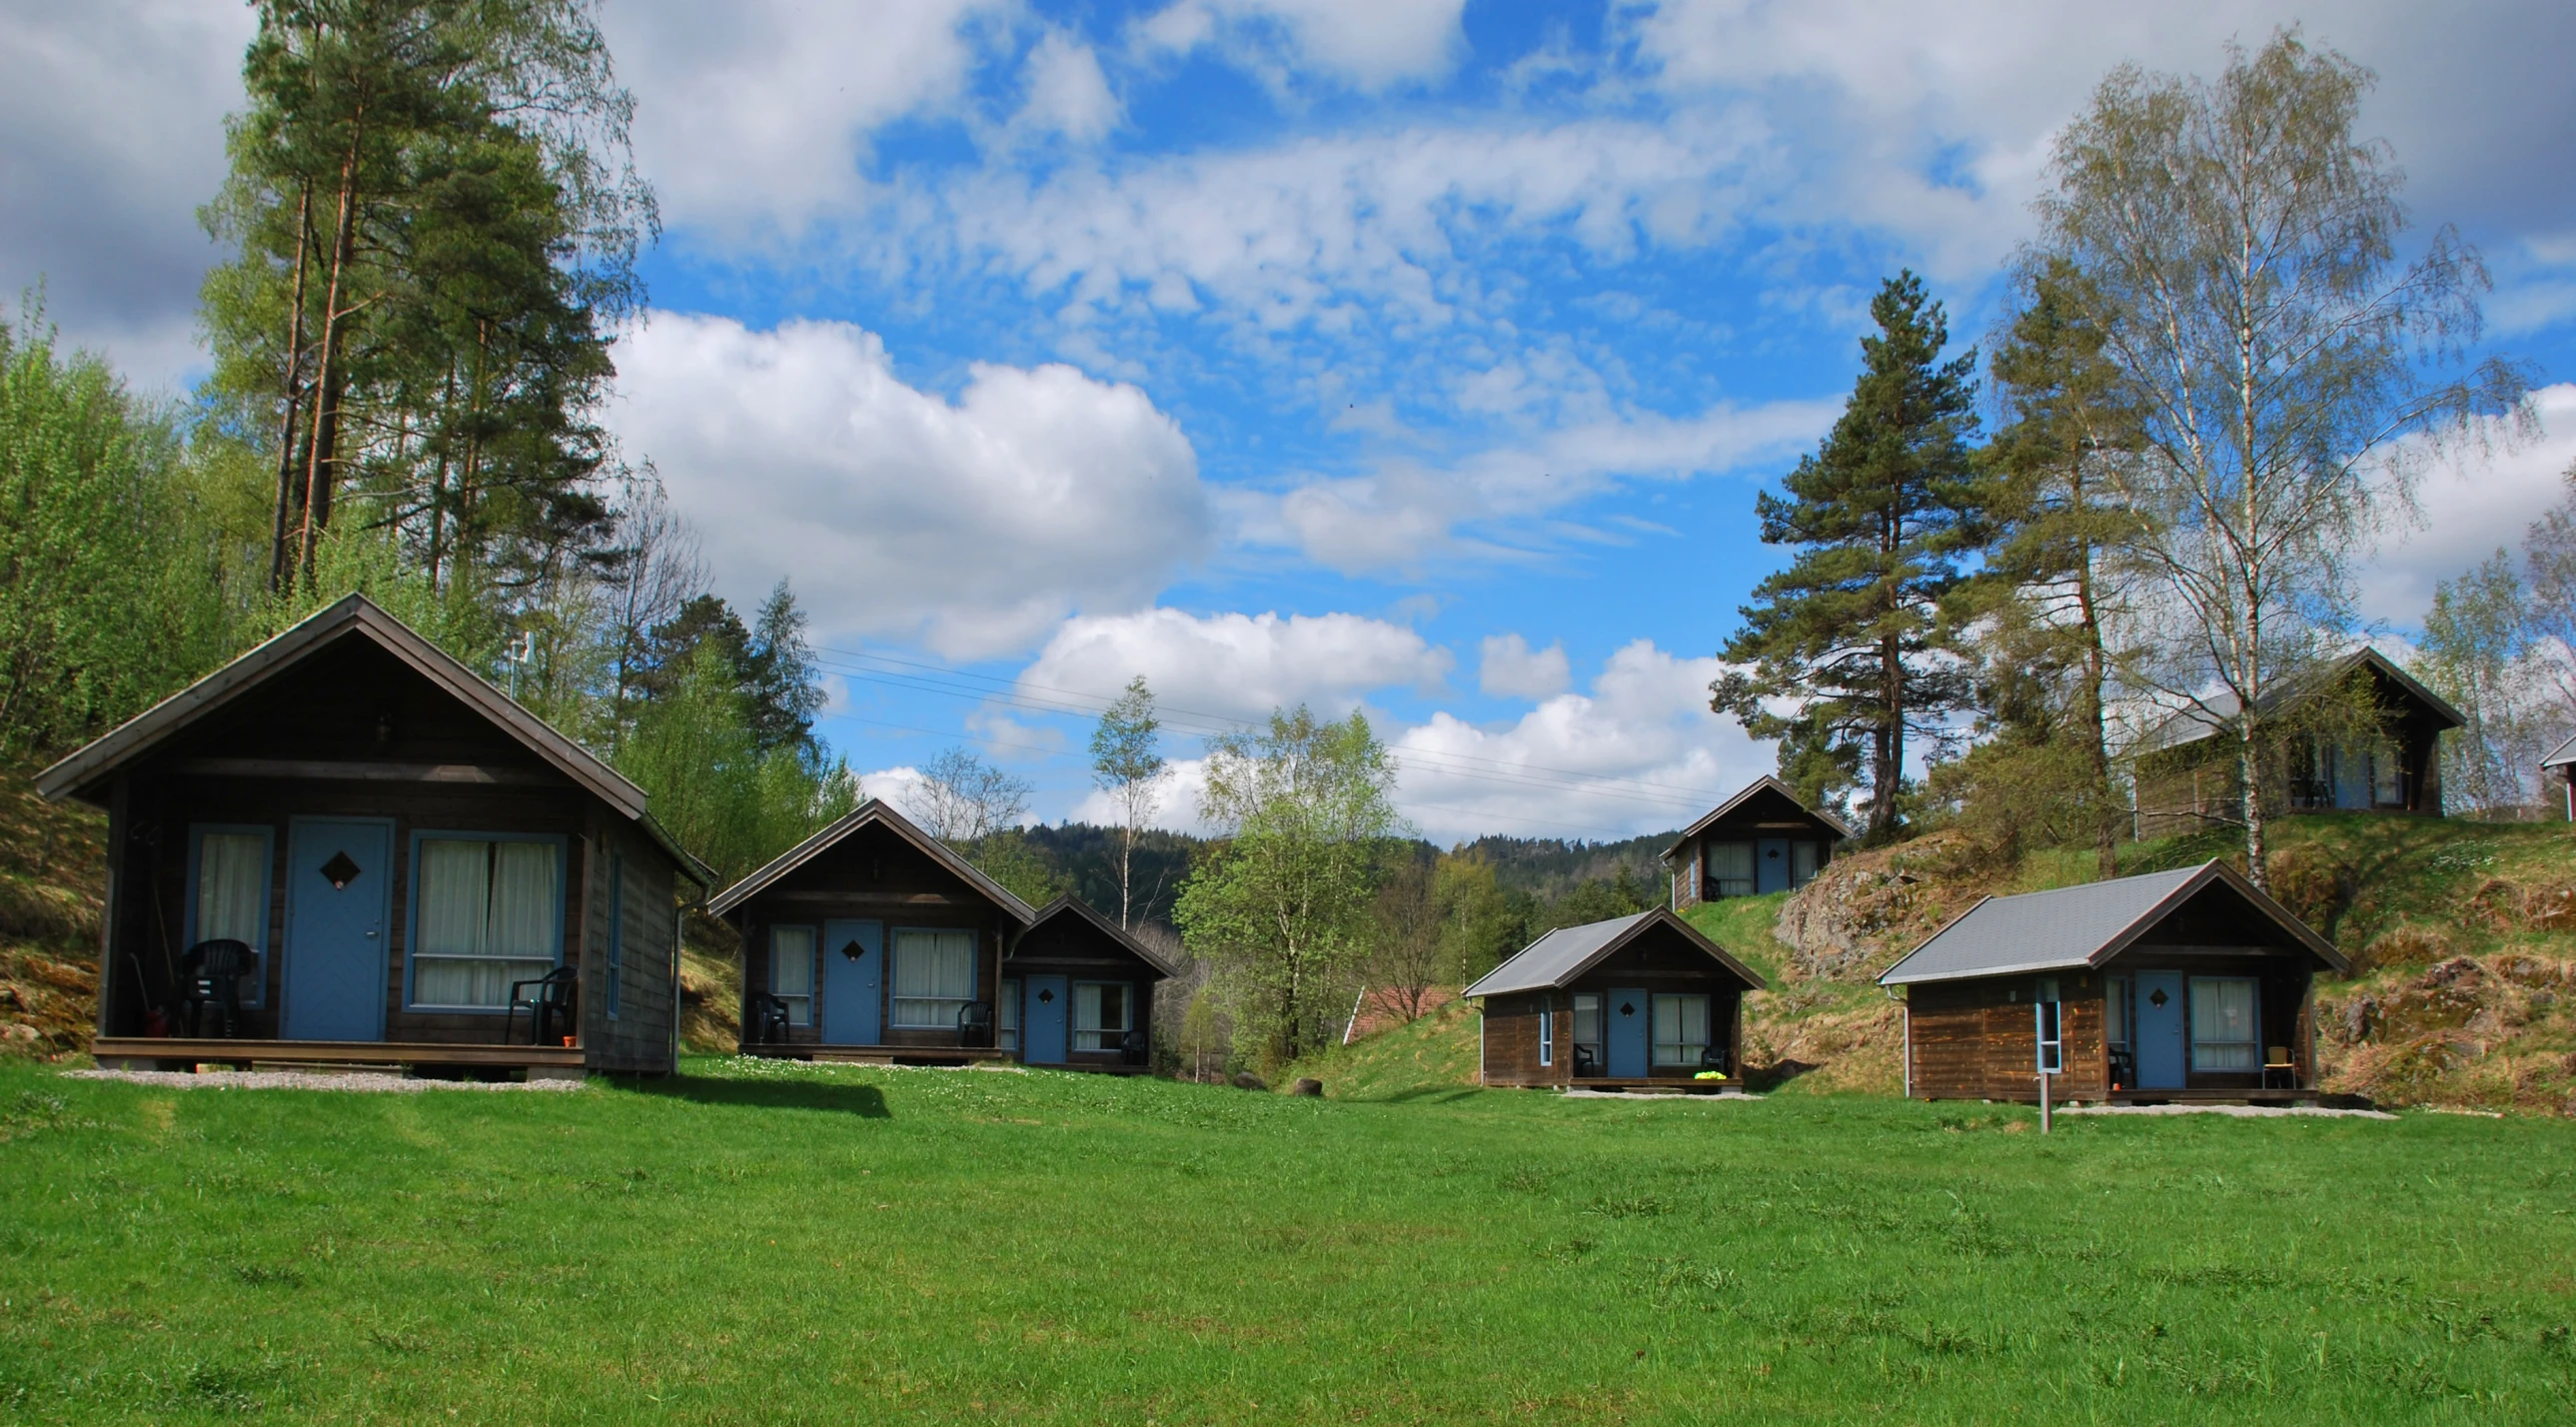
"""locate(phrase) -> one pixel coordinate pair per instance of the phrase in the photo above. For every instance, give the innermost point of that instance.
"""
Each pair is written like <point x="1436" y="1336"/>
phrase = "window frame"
<point x="813" y="970"/>
<point x="1600" y="1030"/>
<point x="1006" y="1015"/>
<point x="1655" y="1043"/>
<point x="894" y="973"/>
<point x="412" y="908"/>
<point x="1546" y="1035"/>
<point x="2254" y="1024"/>
<point x="257" y="1000"/>
<point x="1716" y="887"/>
<point x="1127" y="1011"/>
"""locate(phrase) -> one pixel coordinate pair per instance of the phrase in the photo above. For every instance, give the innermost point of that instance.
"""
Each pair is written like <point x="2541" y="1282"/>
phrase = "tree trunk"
<point x="1126" y="855"/>
<point x="2097" y="735"/>
<point x="1888" y="762"/>
<point x="294" y="363"/>
<point x="322" y="470"/>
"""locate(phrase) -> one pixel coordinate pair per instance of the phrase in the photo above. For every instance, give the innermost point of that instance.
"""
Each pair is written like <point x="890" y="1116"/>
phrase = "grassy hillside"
<point x="768" y="1243"/>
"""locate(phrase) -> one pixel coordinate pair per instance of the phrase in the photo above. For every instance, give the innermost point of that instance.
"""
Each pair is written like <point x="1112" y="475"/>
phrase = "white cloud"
<point x="974" y="525"/>
<point x="1510" y="669"/>
<point x="2472" y="504"/>
<point x="1067" y="93"/>
<point x="1639" y="753"/>
<point x="1236" y="666"/>
<point x="1368" y="44"/>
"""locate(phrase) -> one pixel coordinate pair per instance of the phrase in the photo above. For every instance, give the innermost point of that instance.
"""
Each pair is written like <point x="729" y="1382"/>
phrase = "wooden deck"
<point x="884" y="1054"/>
<point x="147" y="1052"/>
<point x="2309" y="1096"/>
<point x="1657" y="1085"/>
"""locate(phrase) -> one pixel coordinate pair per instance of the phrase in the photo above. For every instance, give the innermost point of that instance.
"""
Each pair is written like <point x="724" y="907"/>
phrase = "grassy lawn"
<point x="796" y="1244"/>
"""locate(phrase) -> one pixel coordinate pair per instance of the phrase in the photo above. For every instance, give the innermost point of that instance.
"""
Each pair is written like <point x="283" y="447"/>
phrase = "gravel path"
<point x="2240" y="1111"/>
<point x="376" y="1081"/>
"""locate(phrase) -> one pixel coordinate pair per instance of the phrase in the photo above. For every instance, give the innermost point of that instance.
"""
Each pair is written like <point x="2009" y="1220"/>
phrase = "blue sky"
<point x="1417" y="357"/>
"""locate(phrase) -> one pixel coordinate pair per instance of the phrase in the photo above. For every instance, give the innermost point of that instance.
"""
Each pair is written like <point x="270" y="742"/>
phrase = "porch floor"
<point x="1652" y="1086"/>
<point x="140" y="1052"/>
<point x="884" y="1054"/>
<point x="2308" y="1096"/>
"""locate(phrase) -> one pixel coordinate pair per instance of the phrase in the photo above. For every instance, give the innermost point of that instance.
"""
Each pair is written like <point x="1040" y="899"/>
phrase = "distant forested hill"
<point x="1548" y="868"/>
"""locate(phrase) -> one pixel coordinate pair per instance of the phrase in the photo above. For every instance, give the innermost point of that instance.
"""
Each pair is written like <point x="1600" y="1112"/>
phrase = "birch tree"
<point x="2238" y="250"/>
<point x="1127" y="764"/>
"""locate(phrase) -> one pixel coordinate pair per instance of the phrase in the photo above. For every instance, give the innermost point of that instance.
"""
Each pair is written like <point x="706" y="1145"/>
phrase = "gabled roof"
<point x="1557" y="958"/>
<point x="1070" y="905"/>
<point x="2077" y="928"/>
<point x="355" y="617"/>
<point x="1766" y="781"/>
<point x="872" y="813"/>
<point x="2561" y="756"/>
<point x="2194" y="724"/>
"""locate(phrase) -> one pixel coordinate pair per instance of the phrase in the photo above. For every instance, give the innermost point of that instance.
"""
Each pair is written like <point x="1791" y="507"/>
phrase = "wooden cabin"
<point x="1078" y="992"/>
<point x="1761" y="840"/>
<point x="872" y="941"/>
<point x="2558" y="770"/>
<point x="2357" y="735"/>
<point x="2174" y="986"/>
<point x="401" y="850"/>
<point x="1637" y="1002"/>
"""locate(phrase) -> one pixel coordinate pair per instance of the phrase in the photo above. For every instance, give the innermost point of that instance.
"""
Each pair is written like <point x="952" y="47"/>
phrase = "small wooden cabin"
<point x="2330" y="757"/>
<point x="1761" y="840"/>
<point x="2174" y="986"/>
<point x="872" y="941"/>
<point x="399" y="846"/>
<point x="1634" y="1002"/>
<point x="2559" y="769"/>
<point x="1078" y="992"/>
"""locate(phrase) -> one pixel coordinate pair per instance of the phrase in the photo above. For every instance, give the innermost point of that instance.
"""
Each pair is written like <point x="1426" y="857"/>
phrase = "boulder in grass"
<point x="1246" y="1080"/>
<point x="1308" y="1086"/>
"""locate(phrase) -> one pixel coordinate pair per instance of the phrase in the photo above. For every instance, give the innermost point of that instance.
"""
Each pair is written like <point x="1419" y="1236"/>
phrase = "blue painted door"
<point x="1047" y="1000"/>
<point x="339" y="890"/>
<point x="853" y="981"/>
<point x="2161" y="1020"/>
<point x="1631" y="1017"/>
<point x="1771" y="865"/>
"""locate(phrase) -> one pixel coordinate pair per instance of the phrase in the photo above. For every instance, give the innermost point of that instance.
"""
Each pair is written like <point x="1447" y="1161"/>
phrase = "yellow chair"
<point x="2276" y="1059"/>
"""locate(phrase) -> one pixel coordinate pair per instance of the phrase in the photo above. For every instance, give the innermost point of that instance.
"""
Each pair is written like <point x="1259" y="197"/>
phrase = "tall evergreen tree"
<point x="1851" y="633"/>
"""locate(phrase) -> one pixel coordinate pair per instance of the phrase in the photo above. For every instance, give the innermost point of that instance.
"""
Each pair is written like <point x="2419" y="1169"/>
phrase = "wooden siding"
<point x="638" y="1039"/>
<point x="1979" y="1040"/>
<point x="1073" y="948"/>
<point x="1654" y="966"/>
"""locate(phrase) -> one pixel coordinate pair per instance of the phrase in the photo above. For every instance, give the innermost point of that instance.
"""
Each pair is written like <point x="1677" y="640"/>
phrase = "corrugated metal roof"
<point x="2561" y="756"/>
<point x="1567" y="952"/>
<point x="2076" y="927"/>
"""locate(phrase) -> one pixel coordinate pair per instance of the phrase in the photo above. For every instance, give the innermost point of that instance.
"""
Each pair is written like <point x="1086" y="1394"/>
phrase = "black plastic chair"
<point x="1586" y="1063"/>
<point x="975" y="1023"/>
<point x="550" y="1007"/>
<point x="766" y="1018"/>
<point x="210" y="974"/>
<point x="1715" y="1058"/>
<point x="2124" y="1068"/>
<point x="1136" y="1048"/>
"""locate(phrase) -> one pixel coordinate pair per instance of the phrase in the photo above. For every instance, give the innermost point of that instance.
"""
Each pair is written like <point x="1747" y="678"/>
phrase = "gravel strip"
<point x="375" y="1081"/>
<point x="2242" y="1112"/>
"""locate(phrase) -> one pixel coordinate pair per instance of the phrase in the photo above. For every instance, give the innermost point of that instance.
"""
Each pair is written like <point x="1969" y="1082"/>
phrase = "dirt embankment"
<point x="51" y="869"/>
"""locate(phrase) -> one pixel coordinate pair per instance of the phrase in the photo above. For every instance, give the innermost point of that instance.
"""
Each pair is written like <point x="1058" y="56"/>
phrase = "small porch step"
<point x="145" y="1052"/>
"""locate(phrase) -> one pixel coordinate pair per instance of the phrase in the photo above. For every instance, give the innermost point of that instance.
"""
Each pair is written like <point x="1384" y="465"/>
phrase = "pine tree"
<point x="1851" y="632"/>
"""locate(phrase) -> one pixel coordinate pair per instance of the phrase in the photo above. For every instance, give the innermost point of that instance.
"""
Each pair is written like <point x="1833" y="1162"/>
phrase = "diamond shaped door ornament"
<point x="1046" y="997"/>
<point x="850" y="949"/>
<point x="1627" y="1008"/>
<point x="340" y="870"/>
<point x="2156" y="997"/>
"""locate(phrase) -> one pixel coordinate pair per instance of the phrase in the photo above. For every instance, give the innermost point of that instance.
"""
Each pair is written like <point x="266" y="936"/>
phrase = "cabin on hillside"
<point x="2560" y="768"/>
<point x="873" y="941"/>
<point x="2173" y="986"/>
<point x="2356" y="735"/>
<point x="1761" y="840"/>
<point x="1637" y="1002"/>
<point x="347" y="847"/>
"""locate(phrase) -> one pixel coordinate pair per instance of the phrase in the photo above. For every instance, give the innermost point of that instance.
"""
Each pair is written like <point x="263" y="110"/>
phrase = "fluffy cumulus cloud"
<point x="973" y="525"/>
<point x="1369" y="44"/>
<point x="1510" y="669"/>
<point x="1639" y="752"/>
<point x="2472" y="503"/>
<point x="1236" y="666"/>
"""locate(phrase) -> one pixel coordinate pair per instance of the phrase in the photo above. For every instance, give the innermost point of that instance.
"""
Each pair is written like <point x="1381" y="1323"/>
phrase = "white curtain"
<point x="1730" y="867"/>
<point x="791" y="971"/>
<point x="1099" y="1015"/>
<point x="486" y="918"/>
<point x="1681" y="1029"/>
<point x="232" y="897"/>
<point x="934" y="975"/>
<point x="2222" y="1024"/>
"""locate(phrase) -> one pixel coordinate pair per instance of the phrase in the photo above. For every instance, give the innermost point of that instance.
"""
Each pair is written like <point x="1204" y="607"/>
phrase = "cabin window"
<point x="2115" y="1011"/>
<point x="2223" y="1032"/>
<point x="1802" y="863"/>
<point x="1006" y="1019"/>
<point x="791" y="971"/>
<point x="233" y="876"/>
<point x="934" y="977"/>
<point x="1730" y="869"/>
<point x="490" y="914"/>
<point x="2387" y="777"/>
<point x="1546" y="1036"/>
<point x="1103" y="1013"/>
<point x="1681" y="1029"/>
<point x="1587" y="1029"/>
<point x="616" y="968"/>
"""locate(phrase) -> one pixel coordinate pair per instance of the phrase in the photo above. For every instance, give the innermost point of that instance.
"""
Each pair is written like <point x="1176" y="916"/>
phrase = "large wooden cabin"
<point x="874" y="941"/>
<point x="2357" y="735"/>
<point x="1637" y="1002"/>
<point x="2174" y="986"/>
<point x="398" y="845"/>
<point x="1761" y="840"/>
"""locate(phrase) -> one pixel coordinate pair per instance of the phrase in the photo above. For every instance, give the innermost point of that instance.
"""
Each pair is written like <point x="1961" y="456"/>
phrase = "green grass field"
<point x="789" y="1244"/>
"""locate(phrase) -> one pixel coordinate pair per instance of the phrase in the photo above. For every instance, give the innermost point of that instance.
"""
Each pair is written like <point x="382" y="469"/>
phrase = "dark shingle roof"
<point x="877" y="814"/>
<point x="1567" y="952"/>
<point x="1069" y="905"/>
<point x="2077" y="927"/>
